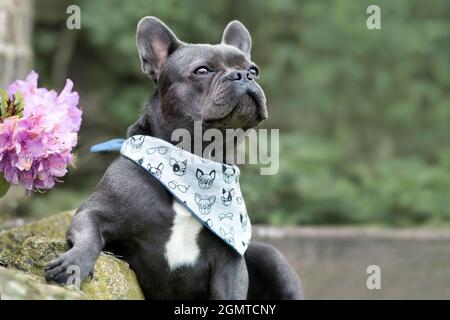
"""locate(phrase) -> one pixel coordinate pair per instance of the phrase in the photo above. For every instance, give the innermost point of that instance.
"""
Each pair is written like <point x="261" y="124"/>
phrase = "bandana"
<point x="209" y="190"/>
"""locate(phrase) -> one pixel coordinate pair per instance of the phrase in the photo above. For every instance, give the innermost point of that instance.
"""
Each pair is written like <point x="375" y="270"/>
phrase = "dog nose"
<point x="240" y="75"/>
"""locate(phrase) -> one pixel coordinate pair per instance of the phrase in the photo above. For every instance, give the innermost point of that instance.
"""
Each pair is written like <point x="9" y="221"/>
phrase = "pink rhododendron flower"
<point x="36" y="149"/>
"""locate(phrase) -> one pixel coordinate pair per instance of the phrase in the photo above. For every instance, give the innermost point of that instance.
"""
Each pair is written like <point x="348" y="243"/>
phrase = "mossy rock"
<point x="18" y="285"/>
<point x="35" y="253"/>
<point x="27" y="249"/>
<point x="112" y="278"/>
<point x="52" y="227"/>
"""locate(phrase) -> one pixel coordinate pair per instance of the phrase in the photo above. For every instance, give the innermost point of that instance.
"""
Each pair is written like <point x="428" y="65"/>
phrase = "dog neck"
<point x="156" y="123"/>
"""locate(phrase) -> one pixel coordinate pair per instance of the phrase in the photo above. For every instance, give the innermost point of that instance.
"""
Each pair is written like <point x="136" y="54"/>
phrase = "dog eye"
<point x="202" y="71"/>
<point x="254" y="71"/>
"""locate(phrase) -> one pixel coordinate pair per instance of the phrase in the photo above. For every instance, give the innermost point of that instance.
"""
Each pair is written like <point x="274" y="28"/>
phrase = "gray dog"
<point x="134" y="216"/>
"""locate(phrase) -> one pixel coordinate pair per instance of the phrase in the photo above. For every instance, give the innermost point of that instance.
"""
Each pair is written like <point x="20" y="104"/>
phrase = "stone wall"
<point x="332" y="262"/>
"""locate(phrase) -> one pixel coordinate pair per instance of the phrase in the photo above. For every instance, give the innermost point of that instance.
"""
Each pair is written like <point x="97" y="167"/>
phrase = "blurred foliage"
<point x="363" y="115"/>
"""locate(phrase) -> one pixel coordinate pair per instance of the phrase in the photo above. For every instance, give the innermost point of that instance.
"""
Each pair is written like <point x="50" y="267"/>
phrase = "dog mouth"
<point x="247" y="112"/>
<point x="260" y="103"/>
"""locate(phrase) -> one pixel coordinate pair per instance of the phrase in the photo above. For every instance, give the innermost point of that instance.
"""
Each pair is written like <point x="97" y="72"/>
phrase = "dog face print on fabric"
<point x="204" y="204"/>
<point x="227" y="196"/>
<point x="205" y="181"/>
<point x="228" y="173"/>
<point x="136" y="143"/>
<point x="243" y="216"/>
<point x="156" y="171"/>
<point x="228" y="235"/>
<point x="178" y="167"/>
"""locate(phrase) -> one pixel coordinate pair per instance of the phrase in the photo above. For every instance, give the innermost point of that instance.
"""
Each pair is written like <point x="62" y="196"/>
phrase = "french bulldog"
<point x="204" y="204"/>
<point x="205" y="181"/>
<point x="178" y="167"/>
<point x="132" y="215"/>
<point x="227" y="196"/>
<point x="228" y="173"/>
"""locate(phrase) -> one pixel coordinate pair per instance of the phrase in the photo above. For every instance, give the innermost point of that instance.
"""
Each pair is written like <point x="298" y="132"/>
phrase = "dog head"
<point x="204" y="204"/>
<point x="156" y="170"/>
<point x="205" y="181"/>
<point x="228" y="173"/>
<point x="178" y="167"/>
<point x="214" y="84"/>
<point x="227" y="196"/>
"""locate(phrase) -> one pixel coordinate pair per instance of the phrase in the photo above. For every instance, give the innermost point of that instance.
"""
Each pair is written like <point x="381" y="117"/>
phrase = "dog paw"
<point x="71" y="268"/>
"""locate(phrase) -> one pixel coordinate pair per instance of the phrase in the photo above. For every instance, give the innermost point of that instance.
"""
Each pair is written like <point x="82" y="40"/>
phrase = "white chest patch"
<point x="182" y="248"/>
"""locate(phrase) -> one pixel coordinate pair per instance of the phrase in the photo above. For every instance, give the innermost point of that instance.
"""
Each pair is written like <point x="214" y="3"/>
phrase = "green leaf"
<point x="2" y="111"/>
<point x="3" y="103"/>
<point x="4" y="186"/>
<point x="18" y="102"/>
<point x="3" y="94"/>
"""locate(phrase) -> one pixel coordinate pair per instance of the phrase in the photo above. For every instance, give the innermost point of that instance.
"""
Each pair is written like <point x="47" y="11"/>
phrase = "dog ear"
<point x="237" y="35"/>
<point x="212" y="200"/>
<point x="172" y="161"/>
<point x="213" y="174"/>
<point x="197" y="198"/>
<point x="155" y="42"/>
<point x="198" y="173"/>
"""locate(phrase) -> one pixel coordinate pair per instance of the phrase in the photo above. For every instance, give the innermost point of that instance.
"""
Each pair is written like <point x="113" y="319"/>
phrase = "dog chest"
<point x="182" y="248"/>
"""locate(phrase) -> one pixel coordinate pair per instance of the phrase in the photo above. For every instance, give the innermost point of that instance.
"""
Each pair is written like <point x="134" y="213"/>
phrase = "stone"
<point x="18" y="285"/>
<point x="52" y="227"/>
<point x="112" y="278"/>
<point x="27" y="249"/>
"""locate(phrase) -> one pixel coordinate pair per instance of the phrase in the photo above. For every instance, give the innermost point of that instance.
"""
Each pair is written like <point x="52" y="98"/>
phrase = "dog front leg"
<point x="229" y="280"/>
<point x="86" y="242"/>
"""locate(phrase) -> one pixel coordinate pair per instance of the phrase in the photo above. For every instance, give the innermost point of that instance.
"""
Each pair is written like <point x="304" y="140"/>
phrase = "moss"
<point x="5" y="258"/>
<point x="51" y="227"/>
<point x="35" y="253"/>
<point x="29" y="248"/>
<point x="112" y="278"/>
<point x="18" y="285"/>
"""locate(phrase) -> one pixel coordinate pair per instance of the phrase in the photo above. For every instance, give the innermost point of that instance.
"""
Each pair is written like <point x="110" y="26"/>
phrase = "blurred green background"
<point x="363" y="114"/>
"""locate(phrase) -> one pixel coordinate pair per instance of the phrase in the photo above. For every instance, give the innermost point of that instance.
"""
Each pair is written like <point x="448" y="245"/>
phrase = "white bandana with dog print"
<point x="208" y="189"/>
